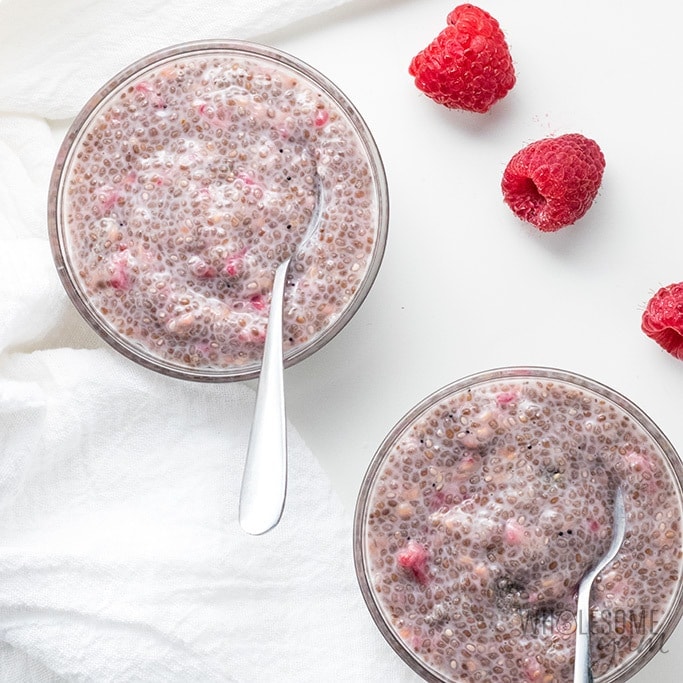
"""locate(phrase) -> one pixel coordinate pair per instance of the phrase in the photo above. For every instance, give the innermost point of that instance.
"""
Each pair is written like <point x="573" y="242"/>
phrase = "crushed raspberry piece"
<point x="257" y="302"/>
<point x="513" y="534"/>
<point x="246" y="179"/>
<point x="468" y="65"/>
<point x="437" y="500"/>
<point x="234" y="264"/>
<point x="414" y="558"/>
<point x="153" y="97"/>
<point x="551" y="183"/>
<point x="505" y="397"/>
<point x="321" y="118"/>
<point x="638" y="462"/>
<point x="130" y="179"/>
<point x="108" y="198"/>
<point x="120" y="278"/>
<point x="663" y="319"/>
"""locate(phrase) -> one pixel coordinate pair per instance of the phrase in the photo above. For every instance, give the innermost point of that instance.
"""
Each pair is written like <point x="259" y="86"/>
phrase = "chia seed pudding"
<point x="486" y="505"/>
<point x="184" y="183"/>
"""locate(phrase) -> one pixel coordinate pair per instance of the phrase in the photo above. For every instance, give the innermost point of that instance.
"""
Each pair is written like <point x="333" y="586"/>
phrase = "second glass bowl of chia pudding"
<point x="183" y="183"/>
<point x="489" y="501"/>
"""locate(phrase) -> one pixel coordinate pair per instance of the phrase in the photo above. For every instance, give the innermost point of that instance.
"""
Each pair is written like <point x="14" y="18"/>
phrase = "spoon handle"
<point x="582" y="663"/>
<point x="264" y="482"/>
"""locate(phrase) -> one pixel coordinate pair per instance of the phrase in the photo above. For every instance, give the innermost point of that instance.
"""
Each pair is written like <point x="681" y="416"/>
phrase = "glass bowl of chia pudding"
<point x="487" y="503"/>
<point x="183" y="183"/>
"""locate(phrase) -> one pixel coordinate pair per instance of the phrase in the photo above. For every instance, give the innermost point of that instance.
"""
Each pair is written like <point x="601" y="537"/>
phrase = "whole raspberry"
<point x="663" y="319"/>
<point x="552" y="182"/>
<point x="468" y="65"/>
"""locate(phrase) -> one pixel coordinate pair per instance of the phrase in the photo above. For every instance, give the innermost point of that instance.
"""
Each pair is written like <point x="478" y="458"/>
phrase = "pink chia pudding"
<point x="184" y="183"/>
<point x="486" y="505"/>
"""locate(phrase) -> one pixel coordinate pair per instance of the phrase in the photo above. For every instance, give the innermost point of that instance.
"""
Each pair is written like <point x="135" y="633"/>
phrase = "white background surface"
<point x="465" y="286"/>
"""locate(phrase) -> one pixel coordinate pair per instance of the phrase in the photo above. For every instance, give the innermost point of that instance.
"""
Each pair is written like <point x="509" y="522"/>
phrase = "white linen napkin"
<point x="120" y="555"/>
<point x="54" y="53"/>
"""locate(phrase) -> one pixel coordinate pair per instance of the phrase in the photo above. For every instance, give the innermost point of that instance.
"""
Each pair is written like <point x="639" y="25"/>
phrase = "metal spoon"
<point x="582" y="659"/>
<point x="264" y="482"/>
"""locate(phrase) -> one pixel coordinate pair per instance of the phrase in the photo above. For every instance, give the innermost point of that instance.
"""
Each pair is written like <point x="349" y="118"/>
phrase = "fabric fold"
<point x="120" y="553"/>
<point x="52" y="55"/>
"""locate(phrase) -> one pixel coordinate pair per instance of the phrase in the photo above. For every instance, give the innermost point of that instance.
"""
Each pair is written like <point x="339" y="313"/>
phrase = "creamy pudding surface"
<point x="192" y="180"/>
<point x="486" y="511"/>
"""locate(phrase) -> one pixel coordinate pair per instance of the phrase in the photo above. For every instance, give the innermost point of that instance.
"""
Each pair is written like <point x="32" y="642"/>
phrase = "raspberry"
<point x="468" y="65"/>
<point x="663" y="319"/>
<point x="552" y="182"/>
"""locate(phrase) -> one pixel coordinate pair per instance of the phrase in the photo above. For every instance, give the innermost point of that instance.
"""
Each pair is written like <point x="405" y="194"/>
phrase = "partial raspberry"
<point x="468" y="65"/>
<point x="414" y="558"/>
<point x="663" y="319"/>
<point x="551" y="183"/>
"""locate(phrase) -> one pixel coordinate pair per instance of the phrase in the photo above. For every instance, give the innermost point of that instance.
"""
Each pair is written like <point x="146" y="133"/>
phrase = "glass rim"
<point x="78" y="127"/>
<point x="671" y="458"/>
